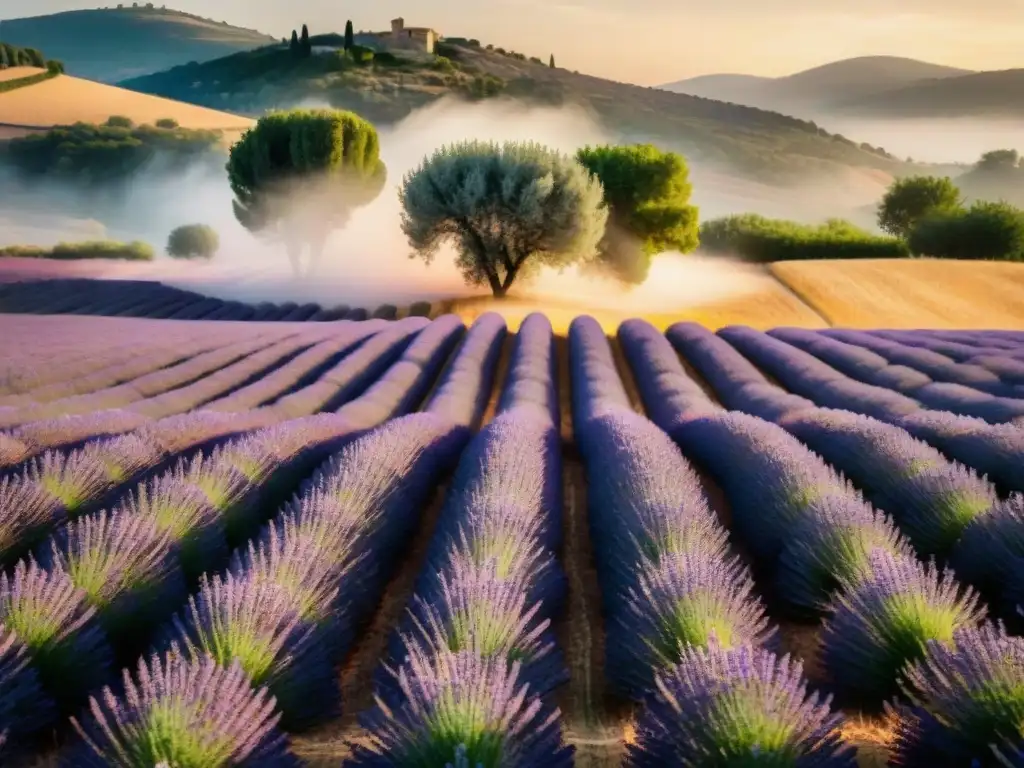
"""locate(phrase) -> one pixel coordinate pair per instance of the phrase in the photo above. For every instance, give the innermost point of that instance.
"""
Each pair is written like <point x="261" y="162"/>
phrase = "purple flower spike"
<point x="228" y="490"/>
<point x="182" y="712"/>
<point x="252" y="456"/>
<point x="123" y="457"/>
<point x="966" y="697"/>
<point x="455" y="700"/>
<point x="24" y="707"/>
<point x="884" y="621"/>
<point x="73" y="478"/>
<point x="124" y="563"/>
<point x="27" y="512"/>
<point x="831" y="546"/>
<point x="58" y="627"/>
<point x="988" y="553"/>
<point x="740" y="707"/>
<point x="185" y="514"/>
<point x="12" y="450"/>
<point x="256" y="623"/>
<point x="687" y="601"/>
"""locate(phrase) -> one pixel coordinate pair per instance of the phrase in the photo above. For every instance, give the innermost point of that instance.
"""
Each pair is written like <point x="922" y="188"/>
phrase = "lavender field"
<point x="415" y="543"/>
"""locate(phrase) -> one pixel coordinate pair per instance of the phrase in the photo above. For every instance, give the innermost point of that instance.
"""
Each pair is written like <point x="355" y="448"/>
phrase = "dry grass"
<point x="769" y="305"/>
<point x="65" y="100"/>
<point x="917" y="293"/>
<point x="16" y="73"/>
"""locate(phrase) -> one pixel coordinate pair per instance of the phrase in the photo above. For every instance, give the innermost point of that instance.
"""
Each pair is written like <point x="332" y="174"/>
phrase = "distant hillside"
<point x="981" y="94"/>
<point x="755" y="143"/>
<point x="111" y="44"/>
<point x="821" y="89"/>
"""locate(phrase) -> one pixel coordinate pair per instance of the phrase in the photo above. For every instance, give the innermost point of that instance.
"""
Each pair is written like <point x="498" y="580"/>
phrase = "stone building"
<point x="412" y="38"/>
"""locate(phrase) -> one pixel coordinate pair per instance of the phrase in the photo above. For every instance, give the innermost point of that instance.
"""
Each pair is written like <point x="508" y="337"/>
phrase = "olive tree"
<point x="298" y="175"/>
<point x="911" y="199"/>
<point x="193" y="241"/>
<point x="508" y="209"/>
<point x="648" y="196"/>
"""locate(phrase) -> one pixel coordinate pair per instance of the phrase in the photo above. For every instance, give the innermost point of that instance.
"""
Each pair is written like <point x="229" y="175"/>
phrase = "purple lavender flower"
<point x="735" y="707"/>
<point x="227" y="489"/>
<point x="455" y="700"/>
<point x="12" y="450"/>
<point x="884" y="621"/>
<point x="182" y="712"/>
<point x="194" y="527"/>
<point x="688" y="600"/>
<point x="965" y="697"/>
<point x="27" y="512"/>
<point x="70" y="429"/>
<point x="255" y="622"/>
<point x="123" y="457"/>
<point x="829" y="547"/>
<point x="253" y="456"/>
<point x="73" y="478"/>
<point x="125" y="565"/>
<point x="24" y="707"/>
<point x="58" y="627"/>
<point x="988" y="553"/>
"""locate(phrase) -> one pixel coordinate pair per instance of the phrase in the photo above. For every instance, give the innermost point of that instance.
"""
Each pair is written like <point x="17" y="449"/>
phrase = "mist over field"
<point x="366" y="262"/>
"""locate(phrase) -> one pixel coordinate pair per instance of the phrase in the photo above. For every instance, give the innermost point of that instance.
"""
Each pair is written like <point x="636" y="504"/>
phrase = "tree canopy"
<point x="985" y="231"/>
<point x="299" y="174"/>
<point x="508" y="209"/>
<point x="910" y="199"/>
<point x="193" y="241"/>
<point x="648" y="196"/>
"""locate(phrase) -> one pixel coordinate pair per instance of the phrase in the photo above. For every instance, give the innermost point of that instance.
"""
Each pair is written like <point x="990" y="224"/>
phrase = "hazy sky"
<point x="656" y="41"/>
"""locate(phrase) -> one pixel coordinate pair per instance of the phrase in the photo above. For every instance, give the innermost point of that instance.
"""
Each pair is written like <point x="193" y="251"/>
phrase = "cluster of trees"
<point x="931" y="215"/>
<point x="299" y="45"/>
<point x="759" y="239"/>
<point x="91" y="249"/>
<point x="14" y="56"/>
<point x="193" y="241"/>
<point x="98" y="153"/>
<point x="508" y="208"/>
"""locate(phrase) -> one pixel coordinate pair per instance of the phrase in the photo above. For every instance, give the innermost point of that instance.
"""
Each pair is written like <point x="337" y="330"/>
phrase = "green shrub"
<point x="21" y="82"/>
<point x="361" y="54"/>
<point x="443" y="64"/>
<point x="193" y="241"/>
<point x="910" y="199"/>
<point x="55" y="67"/>
<point x="168" y="123"/>
<point x="762" y="240"/>
<point x="985" y="231"/>
<point x="92" y="249"/>
<point x="119" y="121"/>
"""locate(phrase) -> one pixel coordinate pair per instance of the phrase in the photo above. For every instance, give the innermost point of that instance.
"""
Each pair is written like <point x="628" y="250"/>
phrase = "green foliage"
<point x="119" y="121"/>
<point x="55" y="67"/>
<point x="168" y="123"/>
<point x="103" y="153"/>
<point x="302" y="172"/>
<point x="443" y="64"/>
<point x="762" y="240"/>
<point x="509" y="209"/>
<point x="985" y="231"/>
<point x="648" y="196"/>
<point x="999" y="159"/>
<point x="293" y="45"/>
<point x="484" y="87"/>
<point x="361" y="54"/>
<point x="22" y="57"/>
<point x="93" y="249"/>
<point x="305" y="47"/>
<point x="193" y="241"/>
<point x="551" y="61"/>
<point x="910" y="199"/>
<point x="349" y="35"/>
<point x="21" y="82"/>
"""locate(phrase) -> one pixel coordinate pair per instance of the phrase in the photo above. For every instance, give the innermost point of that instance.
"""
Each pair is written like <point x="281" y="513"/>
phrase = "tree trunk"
<point x="294" y="255"/>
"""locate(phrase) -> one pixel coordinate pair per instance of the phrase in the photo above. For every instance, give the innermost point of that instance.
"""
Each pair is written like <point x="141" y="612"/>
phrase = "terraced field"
<point x="416" y="543"/>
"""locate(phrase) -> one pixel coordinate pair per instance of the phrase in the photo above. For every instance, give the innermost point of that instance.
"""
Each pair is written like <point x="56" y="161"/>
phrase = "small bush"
<point x="168" y="123"/>
<point x="193" y="241"/>
<point x="55" y="67"/>
<point x="443" y="64"/>
<point x="762" y="240"/>
<point x="361" y="54"/>
<point x="119" y="121"/>
<point x="420" y="309"/>
<point x="985" y="231"/>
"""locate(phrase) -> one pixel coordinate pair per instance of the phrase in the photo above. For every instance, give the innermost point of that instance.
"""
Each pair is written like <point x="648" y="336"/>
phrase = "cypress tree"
<point x="552" y="62"/>
<point x="307" y="48"/>
<point x="349" y="35"/>
<point x="294" y="46"/>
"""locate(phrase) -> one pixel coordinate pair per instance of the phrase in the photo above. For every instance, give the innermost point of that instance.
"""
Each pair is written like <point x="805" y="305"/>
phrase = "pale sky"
<point x="657" y="41"/>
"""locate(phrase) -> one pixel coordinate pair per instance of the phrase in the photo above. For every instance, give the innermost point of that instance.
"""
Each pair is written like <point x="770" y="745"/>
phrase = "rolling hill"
<point x="980" y="94"/>
<point x="821" y="89"/>
<point x="753" y="143"/>
<point x="111" y="44"/>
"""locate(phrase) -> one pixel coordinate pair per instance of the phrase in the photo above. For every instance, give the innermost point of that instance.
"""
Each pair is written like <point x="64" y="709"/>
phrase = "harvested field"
<point x="916" y="293"/>
<point x="65" y="100"/>
<point x="591" y="453"/>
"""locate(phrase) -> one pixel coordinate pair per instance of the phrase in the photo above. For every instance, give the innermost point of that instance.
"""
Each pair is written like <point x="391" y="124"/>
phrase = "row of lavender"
<point x="686" y="634"/>
<point x="892" y="624"/>
<point x="146" y="299"/>
<point x="106" y="577"/>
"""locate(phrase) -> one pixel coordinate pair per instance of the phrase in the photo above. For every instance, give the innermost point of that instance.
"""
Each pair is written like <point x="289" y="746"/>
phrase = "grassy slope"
<point x="755" y="143"/>
<point x="983" y="94"/>
<point x="111" y="44"/>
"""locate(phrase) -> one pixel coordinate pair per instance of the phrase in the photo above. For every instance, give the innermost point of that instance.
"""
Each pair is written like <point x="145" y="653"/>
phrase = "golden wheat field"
<point x="915" y="293"/>
<point x="64" y="100"/>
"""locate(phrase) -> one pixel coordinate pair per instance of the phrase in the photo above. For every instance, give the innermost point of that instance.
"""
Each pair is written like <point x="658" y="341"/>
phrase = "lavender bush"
<point x="25" y="708"/>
